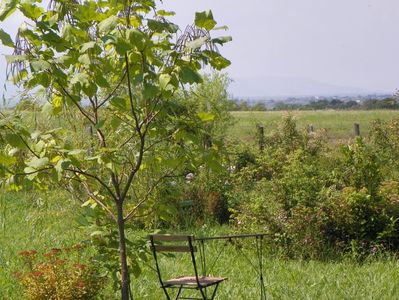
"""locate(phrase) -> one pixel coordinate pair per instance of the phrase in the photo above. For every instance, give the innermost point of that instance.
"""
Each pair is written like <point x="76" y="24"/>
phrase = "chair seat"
<point x="204" y="281"/>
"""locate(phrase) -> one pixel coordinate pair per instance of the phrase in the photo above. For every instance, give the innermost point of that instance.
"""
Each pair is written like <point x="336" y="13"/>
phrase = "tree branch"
<point x="131" y="95"/>
<point x="101" y="182"/>
<point x="113" y="91"/>
<point x="98" y="201"/>
<point x="148" y="193"/>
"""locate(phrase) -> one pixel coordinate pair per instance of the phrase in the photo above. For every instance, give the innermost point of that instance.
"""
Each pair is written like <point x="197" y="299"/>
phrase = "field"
<point x="338" y="125"/>
<point x="41" y="221"/>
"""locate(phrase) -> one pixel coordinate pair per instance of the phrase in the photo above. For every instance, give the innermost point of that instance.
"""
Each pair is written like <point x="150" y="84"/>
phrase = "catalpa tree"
<point x="113" y="66"/>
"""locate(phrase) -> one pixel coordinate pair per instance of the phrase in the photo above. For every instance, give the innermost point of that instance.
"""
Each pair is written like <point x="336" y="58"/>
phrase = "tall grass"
<point x="377" y="278"/>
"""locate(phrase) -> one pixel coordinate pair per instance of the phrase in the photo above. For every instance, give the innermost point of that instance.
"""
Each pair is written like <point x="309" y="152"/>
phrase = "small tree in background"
<point x="114" y="67"/>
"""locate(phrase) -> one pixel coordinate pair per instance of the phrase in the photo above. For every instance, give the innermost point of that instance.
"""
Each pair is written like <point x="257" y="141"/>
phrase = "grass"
<point x="374" y="279"/>
<point x="339" y="125"/>
<point x="34" y="221"/>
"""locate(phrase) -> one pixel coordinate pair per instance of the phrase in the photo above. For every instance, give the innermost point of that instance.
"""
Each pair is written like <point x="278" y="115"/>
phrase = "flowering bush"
<point x="59" y="274"/>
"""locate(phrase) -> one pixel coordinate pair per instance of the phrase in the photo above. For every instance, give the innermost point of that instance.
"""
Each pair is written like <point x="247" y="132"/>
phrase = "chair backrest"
<point x="170" y="243"/>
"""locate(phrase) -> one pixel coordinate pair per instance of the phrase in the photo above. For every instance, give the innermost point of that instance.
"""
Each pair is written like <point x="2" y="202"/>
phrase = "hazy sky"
<point x="351" y="43"/>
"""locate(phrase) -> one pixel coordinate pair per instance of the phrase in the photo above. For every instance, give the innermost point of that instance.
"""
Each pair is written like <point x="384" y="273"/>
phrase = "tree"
<point x="211" y="100"/>
<point x="113" y="66"/>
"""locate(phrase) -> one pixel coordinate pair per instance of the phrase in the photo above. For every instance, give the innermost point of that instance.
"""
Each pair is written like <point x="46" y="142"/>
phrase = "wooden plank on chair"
<point x="173" y="248"/>
<point x="170" y="237"/>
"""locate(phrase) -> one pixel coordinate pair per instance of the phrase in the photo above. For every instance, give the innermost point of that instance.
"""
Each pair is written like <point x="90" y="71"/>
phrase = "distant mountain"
<point x="290" y="87"/>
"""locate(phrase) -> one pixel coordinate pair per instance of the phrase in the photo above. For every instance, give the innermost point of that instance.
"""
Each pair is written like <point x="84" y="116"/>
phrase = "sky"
<point x="293" y="48"/>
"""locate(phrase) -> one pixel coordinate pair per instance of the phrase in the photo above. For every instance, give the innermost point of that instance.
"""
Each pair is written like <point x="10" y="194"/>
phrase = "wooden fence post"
<point x="310" y="128"/>
<point x="357" y="129"/>
<point x="261" y="137"/>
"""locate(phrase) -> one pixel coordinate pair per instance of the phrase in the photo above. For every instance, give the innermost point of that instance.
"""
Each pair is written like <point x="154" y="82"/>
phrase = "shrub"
<point x="361" y="167"/>
<point x="314" y="200"/>
<point x="59" y="274"/>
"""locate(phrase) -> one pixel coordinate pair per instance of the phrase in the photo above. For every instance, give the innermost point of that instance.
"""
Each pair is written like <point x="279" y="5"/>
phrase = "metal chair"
<point x="182" y="244"/>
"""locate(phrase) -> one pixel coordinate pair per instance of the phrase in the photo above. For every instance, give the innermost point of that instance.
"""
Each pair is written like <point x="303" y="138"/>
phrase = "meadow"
<point x="338" y="125"/>
<point x="40" y="221"/>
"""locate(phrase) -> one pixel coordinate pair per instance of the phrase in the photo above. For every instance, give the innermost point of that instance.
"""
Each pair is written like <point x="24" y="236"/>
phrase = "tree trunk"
<point x="122" y="253"/>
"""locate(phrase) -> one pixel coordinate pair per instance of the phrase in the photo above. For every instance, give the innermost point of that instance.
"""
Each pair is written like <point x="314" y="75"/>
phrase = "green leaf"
<point x="136" y="38"/>
<point x="31" y="11"/>
<point x="188" y="75"/>
<point x="41" y="78"/>
<point x="159" y="26"/>
<point x="206" y="116"/>
<point x="7" y="160"/>
<point x="222" y="40"/>
<point x="6" y="8"/>
<point x="205" y="20"/>
<point x="101" y="81"/>
<point x="115" y="122"/>
<point x="108" y="24"/>
<point x="150" y="91"/>
<point x="15" y="140"/>
<point x="38" y="163"/>
<point x="21" y="75"/>
<point x="80" y="78"/>
<point x="6" y="39"/>
<point x="61" y="165"/>
<point x="120" y="103"/>
<point x="164" y="80"/>
<point x="216" y="60"/>
<point x="40" y="65"/>
<point x="164" y="13"/>
<point x="84" y="59"/>
<point x="87" y="46"/>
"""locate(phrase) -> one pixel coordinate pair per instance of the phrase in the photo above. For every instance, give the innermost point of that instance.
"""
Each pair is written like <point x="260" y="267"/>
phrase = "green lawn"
<point x="339" y="125"/>
<point x="376" y="279"/>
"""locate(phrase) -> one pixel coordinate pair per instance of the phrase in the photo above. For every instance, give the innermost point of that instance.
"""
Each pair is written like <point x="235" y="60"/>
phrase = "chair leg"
<point x="166" y="293"/>
<point x="178" y="292"/>
<point x="214" y="291"/>
<point x="203" y="294"/>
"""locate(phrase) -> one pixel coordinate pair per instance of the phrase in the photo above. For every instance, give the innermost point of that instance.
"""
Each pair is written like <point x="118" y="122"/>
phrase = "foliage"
<point x="384" y="138"/>
<point x="210" y="101"/>
<point x="59" y="274"/>
<point x="362" y="167"/>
